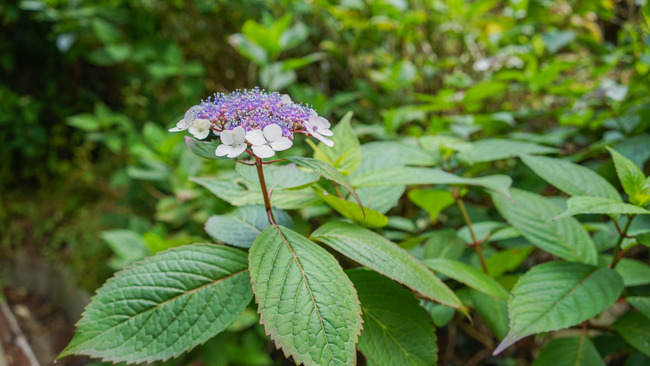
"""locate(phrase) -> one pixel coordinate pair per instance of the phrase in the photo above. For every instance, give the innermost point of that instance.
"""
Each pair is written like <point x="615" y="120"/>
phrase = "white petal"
<point x="263" y="151"/>
<point x="180" y="126"/>
<point x="255" y="137"/>
<point x="324" y="139"/>
<point x="227" y="137"/>
<point x="201" y="134"/>
<point x="324" y="123"/>
<point x="223" y="150"/>
<point x="325" y="132"/>
<point x="281" y="144"/>
<point x="286" y="99"/>
<point x="272" y="132"/>
<point x="240" y="134"/>
<point x="191" y="113"/>
<point x="237" y="150"/>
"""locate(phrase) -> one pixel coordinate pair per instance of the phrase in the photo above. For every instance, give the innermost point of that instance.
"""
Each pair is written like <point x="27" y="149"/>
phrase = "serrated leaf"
<point x="204" y="149"/>
<point x="397" y="330"/>
<point x="493" y="310"/>
<point x="326" y="171"/>
<point x="642" y="304"/>
<point x="533" y="216"/>
<point x="412" y="175"/>
<point x="487" y="150"/>
<point x="237" y="195"/>
<point x="307" y="304"/>
<point x="432" y="201"/>
<point x="345" y="155"/>
<point x="368" y="217"/>
<point x="556" y="295"/>
<point x="468" y="275"/>
<point x="569" y="351"/>
<point x="375" y="252"/>
<point x="165" y="305"/>
<point x="241" y="226"/>
<point x="279" y="176"/>
<point x="632" y="178"/>
<point x="572" y="179"/>
<point x="635" y="329"/>
<point x="596" y="205"/>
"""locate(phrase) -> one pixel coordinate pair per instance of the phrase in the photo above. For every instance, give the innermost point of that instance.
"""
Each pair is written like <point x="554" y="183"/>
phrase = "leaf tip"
<point x="508" y="341"/>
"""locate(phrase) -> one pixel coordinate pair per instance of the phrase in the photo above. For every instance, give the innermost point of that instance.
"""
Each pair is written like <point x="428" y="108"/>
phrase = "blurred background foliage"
<point x="88" y="90"/>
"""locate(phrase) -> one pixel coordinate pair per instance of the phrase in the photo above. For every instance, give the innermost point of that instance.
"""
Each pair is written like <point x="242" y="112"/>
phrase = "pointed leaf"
<point x="533" y="215"/>
<point x="380" y="198"/>
<point x="635" y="329"/>
<point x="634" y="272"/>
<point x="642" y="304"/>
<point x="164" y="305"/>
<point x="417" y="176"/>
<point x="468" y="275"/>
<point x="376" y="252"/>
<point x="397" y="330"/>
<point x="204" y="149"/>
<point x="497" y="149"/>
<point x="557" y="295"/>
<point x="632" y="178"/>
<point x="570" y="351"/>
<point x="596" y="205"/>
<point x="368" y="217"/>
<point x="493" y="310"/>
<point x="241" y="226"/>
<point x="307" y="304"/>
<point x="433" y="201"/>
<point x="279" y="176"/>
<point x="345" y="155"/>
<point x="326" y="171"/>
<point x="572" y="179"/>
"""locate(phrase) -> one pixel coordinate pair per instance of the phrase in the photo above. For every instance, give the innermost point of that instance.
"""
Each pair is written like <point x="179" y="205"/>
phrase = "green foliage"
<point x="468" y="275"/>
<point x="241" y="227"/>
<point x="569" y="351"/>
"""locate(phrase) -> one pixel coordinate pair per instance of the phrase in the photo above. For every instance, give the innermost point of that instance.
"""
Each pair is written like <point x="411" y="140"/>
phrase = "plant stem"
<point x="265" y="193"/>
<point x="475" y="242"/>
<point x="617" y="255"/>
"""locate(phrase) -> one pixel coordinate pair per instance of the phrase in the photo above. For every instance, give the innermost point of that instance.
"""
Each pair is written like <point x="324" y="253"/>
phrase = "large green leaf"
<point x="326" y="171"/>
<point x="572" y="179"/>
<point x="642" y="304"/>
<point x="241" y="226"/>
<point x="237" y="195"/>
<point x="368" y="217"/>
<point x="597" y="205"/>
<point x="493" y="310"/>
<point x="279" y="176"/>
<point x="397" y="330"/>
<point x="533" y="215"/>
<point x="412" y="175"/>
<point x="376" y="252"/>
<point x="345" y="155"/>
<point x="497" y="149"/>
<point x="408" y="153"/>
<point x="557" y="295"/>
<point x="307" y="304"/>
<point x="634" y="272"/>
<point x="444" y="244"/>
<point x="165" y="305"/>
<point x="204" y="149"/>
<point x="379" y="198"/>
<point x="569" y="351"/>
<point x="127" y="245"/>
<point x="634" y="182"/>
<point x="635" y="329"/>
<point x="468" y="275"/>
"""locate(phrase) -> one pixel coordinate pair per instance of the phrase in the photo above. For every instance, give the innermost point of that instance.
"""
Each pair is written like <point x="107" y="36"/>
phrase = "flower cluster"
<point x="264" y="121"/>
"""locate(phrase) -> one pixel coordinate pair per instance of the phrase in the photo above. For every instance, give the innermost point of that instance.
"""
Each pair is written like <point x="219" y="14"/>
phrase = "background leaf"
<point x="596" y="205"/>
<point x="307" y="304"/>
<point x="368" y="217"/>
<point x="569" y="351"/>
<point x="345" y="155"/>
<point x="204" y="149"/>
<point x="635" y="329"/>
<point x="642" y="304"/>
<point x="165" y="305"/>
<point x="634" y="182"/>
<point x="241" y="226"/>
<point x="487" y="150"/>
<point x="279" y="176"/>
<point x="468" y="275"/>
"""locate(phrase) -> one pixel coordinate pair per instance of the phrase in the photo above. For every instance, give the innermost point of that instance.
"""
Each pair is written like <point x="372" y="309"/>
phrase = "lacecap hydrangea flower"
<point x="265" y="122"/>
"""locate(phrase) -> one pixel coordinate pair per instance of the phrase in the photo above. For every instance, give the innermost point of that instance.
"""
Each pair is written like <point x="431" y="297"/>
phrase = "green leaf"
<point x="307" y="304"/>
<point x="368" y="217"/>
<point x="569" y="351"/>
<point x="507" y="260"/>
<point x="279" y="176"/>
<point x="634" y="272"/>
<point x="444" y="244"/>
<point x="241" y="226"/>
<point x="204" y="149"/>
<point x="493" y="310"/>
<point x="408" y="153"/>
<point x="345" y="155"/>
<point x="572" y="179"/>
<point x="635" y="329"/>
<point x="374" y="251"/>
<point x="642" y="304"/>
<point x="127" y="245"/>
<point x="326" y="171"/>
<point x="596" y="205"/>
<point x="417" y="176"/>
<point x="230" y="191"/>
<point x="432" y="201"/>
<point x="632" y="178"/>
<point x="380" y="198"/>
<point x="468" y="275"/>
<point x="482" y="230"/>
<point x="165" y="305"/>
<point x="497" y="149"/>
<point x="248" y="48"/>
<point x="533" y="215"/>
<point x="397" y="330"/>
<point x="556" y="295"/>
